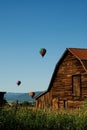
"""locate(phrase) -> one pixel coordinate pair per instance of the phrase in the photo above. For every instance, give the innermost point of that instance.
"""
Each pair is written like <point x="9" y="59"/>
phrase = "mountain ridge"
<point x="21" y="97"/>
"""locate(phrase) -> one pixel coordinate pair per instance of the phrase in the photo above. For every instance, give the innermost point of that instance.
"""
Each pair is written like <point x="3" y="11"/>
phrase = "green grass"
<point x="27" y="118"/>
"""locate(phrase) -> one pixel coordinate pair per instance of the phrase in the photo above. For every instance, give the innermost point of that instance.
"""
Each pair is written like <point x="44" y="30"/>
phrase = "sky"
<point x="26" y="26"/>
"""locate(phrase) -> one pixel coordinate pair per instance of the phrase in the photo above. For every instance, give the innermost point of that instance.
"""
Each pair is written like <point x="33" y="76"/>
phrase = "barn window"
<point x="76" y="86"/>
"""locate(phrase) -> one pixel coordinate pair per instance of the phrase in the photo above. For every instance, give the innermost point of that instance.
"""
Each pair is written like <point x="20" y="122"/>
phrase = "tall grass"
<point x="26" y="118"/>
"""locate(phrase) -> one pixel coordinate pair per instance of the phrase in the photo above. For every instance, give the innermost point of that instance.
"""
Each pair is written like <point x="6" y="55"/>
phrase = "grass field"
<point x="28" y="118"/>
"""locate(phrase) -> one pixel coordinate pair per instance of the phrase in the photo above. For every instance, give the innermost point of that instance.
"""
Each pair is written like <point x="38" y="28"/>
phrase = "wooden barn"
<point x="1" y="97"/>
<point x="68" y="85"/>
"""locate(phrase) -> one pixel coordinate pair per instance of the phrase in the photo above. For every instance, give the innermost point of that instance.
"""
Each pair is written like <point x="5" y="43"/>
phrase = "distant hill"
<point x="21" y="97"/>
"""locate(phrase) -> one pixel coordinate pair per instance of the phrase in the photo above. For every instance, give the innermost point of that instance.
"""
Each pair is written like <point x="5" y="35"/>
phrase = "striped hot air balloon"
<point x="31" y="94"/>
<point x="42" y="52"/>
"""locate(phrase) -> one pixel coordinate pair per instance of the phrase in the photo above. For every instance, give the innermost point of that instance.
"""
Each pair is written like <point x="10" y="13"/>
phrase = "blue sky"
<point x="26" y="26"/>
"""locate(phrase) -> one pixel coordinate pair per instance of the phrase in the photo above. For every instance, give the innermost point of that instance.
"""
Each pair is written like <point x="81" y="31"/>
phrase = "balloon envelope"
<point x="32" y="94"/>
<point x="42" y="52"/>
<point x="18" y="82"/>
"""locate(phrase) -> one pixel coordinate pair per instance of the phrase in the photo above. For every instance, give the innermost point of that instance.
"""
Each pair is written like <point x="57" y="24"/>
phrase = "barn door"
<point x="76" y="83"/>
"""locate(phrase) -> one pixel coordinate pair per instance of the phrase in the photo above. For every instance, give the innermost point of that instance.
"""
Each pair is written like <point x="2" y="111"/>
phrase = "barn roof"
<point x="42" y="93"/>
<point x="3" y="92"/>
<point x="79" y="53"/>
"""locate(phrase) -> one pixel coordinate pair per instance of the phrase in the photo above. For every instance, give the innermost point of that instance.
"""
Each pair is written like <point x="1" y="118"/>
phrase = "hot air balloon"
<point x="42" y="52"/>
<point x="31" y="94"/>
<point x="18" y="82"/>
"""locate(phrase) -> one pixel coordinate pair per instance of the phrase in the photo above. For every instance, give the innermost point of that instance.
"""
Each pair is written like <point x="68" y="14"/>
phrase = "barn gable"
<point x="81" y="56"/>
<point x="69" y="80"/>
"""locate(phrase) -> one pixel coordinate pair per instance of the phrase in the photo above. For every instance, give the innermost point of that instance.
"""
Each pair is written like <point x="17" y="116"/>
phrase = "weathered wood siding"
<point x="84" y="85"/>
<point x="62" y="85"/>
<point x="62" y="93"/>
<point x="45" y="101"/>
